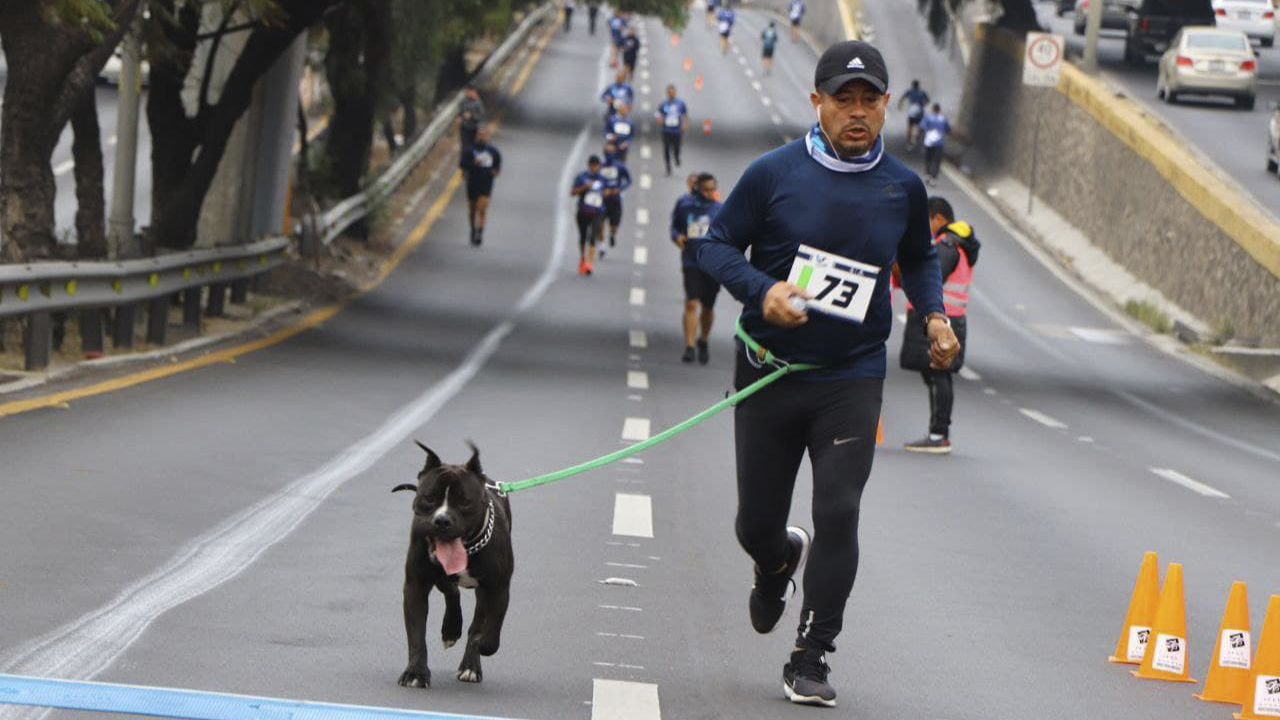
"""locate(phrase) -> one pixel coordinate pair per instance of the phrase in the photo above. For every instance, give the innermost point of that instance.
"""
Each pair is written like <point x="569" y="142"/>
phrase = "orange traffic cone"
<point x="1166" y="654"/>
<point x="1262" y="693"/>
<point x="880" y="431"/>
<point x="688" y="64"/>
<point x="1228" y="678"/>
<point x="1132" y="643"/>
<point x="706" y="126"/>
<point x="697" y="82"/>
<point x="675" y="39"/>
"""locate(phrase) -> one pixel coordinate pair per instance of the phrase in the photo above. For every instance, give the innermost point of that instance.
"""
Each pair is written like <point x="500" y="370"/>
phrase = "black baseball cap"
<point x="847" y="61"/>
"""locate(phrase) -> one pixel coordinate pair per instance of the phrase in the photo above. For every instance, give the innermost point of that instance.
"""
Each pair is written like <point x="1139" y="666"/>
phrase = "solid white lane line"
<point x="1043" y="419"/>
<point x="646" y="181"/>
<point x="639" y="339"/>
<point x="633" y="461"/>
<point x="642" y="216"/>
<point x="87" y="645"/>
<point x="1196" y="486"/>
<point x="623" y="700"/>
<point x="113" y="140"/>
<point x="632" y="517"/>
<point x="634" y="428"/>
<point x="970" y="375"/>
<point x="640" y="255"/>
<point x="1102" y="336"/>
<point x="64" y="167"/>
<point x="637" y="380"/>
<point x="632" y="566"/>
<point x="621" y="607"/>
<point x="637" y="296"/>
<point x="902" y="318"/>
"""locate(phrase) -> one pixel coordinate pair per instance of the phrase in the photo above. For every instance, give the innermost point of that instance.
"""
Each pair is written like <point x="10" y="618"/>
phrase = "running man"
<point x="618" y="92"/>
<point x="471" y="116"/>
<point x="690" y="221"/>
<point x="673" y="116"/>
<point x="617" y="27"/>
<point x="724" y="24"/>
<point x="838" y="192"/>
<point x="619" y="130"/>
<point x="630" y="51"/>
<point x="593" y="11"/>
<point x="588" y="187"/>
<point x="916" y="101"/>
<point x="712" y="5"/>
<point x="935" y="127"/>
<point x="768" y="41"/>
<point x="568" y="15"/>
<point x="796" y="14"/>
<point x="616" y="181"/>
<point x="481" y="162"/>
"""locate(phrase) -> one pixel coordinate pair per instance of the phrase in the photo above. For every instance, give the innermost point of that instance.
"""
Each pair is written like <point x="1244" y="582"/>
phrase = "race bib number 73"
<point x="839" y="286"/>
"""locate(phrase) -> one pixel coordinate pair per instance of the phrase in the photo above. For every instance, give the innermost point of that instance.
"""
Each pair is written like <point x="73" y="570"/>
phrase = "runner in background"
<point x="471" y="116"/>
<point x="568" y="15"/>
<point x="588" y="187"/>
<point x="690" y="221"/>
<point x="673" y="116"/>
<point x="796" y="14"/>
<point x="724" y="25"/>
<point x="619" y="130"/>
<point x="935" y="127"/>
<point x="712" y="6"/>
<point x="916" y="101"/>
<point x="481" y="162"/>
<point x="619" y="92"/>
<point x="593" y="10"/>
<point x="616" y="181"/>
<point x="630" y="51"/>
<point x="617" y="24"/>
<point x="768" y="41"/>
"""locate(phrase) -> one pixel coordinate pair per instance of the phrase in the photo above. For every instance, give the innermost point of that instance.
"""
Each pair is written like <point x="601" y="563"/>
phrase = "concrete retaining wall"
<point x="1128" y="184"/>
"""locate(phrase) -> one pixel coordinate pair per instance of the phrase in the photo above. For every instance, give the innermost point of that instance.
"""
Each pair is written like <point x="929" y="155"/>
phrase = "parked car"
<point x="1154" y="23"/>
<point x="1255" y="18"/>
<point x="1115" y="14"/>
<point x="1209" y="61"/>
<point x="1273" y="140"/>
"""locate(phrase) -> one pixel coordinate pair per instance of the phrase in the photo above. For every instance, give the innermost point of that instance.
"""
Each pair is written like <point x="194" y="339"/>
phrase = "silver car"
<point x="1255" y="18"/>
<point x="1209" y="61"/>
<point x="1273" y="140"/>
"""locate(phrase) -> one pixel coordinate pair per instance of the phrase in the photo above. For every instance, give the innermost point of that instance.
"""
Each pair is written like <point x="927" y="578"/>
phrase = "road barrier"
<point x="1130" y="184"/>
<point x="37" y="290"/>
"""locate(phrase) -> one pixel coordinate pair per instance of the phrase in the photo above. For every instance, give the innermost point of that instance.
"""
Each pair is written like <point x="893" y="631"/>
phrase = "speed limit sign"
<point x="1043" y="62"/>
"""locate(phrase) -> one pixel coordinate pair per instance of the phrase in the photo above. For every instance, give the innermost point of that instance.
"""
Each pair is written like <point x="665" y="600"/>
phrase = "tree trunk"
<point x="1019" y="15"/>
<point x="356" y="66"/>
<point x="86" y="150"/>
<point x="174" y="219"/>
<point x="409" y="105"/>
<point x="453" y="73"/>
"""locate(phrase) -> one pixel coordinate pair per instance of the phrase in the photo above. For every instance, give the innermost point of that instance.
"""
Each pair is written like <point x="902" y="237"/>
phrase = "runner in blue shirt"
<point x="616" y="181"/>
<point x="673" y="116"/>
<point x="481" y="162"/>
<point x="935" y="127"/>
<point x="711" y="10"/>
<point x="690" y="221"/>
<point x="588" y="187"/>
<point x="618" y="91"/>
<point x="724" y="25"/>
<point x="858" y="210"/>
<point x="619" y="130"/>
<point x="796" y="14"/>
<point x="617" y="26"/>
<point x="916" y="101"/>
<point x="768" y="41"/>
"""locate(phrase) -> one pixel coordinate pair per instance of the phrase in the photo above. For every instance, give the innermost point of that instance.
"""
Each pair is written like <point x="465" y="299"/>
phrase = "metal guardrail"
<point x="42" y="287"/>
<point x="328" y="225"/>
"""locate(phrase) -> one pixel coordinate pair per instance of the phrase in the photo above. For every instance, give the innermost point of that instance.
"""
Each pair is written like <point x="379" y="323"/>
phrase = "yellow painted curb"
<point x="1237" y="215"/>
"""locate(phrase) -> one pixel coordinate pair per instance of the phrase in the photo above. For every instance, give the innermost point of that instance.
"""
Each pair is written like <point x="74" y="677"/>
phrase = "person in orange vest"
<point x="957" y="248"/>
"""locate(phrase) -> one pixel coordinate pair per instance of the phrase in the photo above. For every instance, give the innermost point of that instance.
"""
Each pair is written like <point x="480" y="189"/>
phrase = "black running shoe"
<point x="704" y="354"/>
<point x="688" y="355"/>
<point x="770" y="593"/>
<point x="804" y="679"/>
<point x="613" y="240"/>
<point x="929" y="444"/>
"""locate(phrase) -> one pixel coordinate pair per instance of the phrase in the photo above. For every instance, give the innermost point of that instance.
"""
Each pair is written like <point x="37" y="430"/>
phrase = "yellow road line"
<point x="846" y="17"/>
<point x="312" y="319"/>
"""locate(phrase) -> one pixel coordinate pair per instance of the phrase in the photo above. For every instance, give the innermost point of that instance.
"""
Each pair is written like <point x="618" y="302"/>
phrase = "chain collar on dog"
<point x="486" y="535"/>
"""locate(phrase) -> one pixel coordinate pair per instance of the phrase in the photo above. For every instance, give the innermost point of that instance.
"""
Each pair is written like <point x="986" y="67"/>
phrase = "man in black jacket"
<point x="957" y="248"/>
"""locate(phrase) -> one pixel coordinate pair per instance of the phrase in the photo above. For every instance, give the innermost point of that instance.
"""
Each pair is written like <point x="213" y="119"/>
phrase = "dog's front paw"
<point x="414" y="677"/>
<point x="469" y="671"/>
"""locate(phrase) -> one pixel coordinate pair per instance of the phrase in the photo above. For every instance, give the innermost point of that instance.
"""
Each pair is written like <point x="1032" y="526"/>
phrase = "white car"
<point x="1255" y="18"/>
<point x="1209" y="61"/>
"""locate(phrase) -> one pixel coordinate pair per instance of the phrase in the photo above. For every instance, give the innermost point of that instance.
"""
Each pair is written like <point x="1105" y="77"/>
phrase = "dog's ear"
<point x="433" y="460"/>
<point x="405" y="486"/>
<point x="473" y="465"/>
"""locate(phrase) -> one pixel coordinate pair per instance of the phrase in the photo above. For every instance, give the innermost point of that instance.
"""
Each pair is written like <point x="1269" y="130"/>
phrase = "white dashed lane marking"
<point x="646" y="181"/>
<point x="757" y="86"/>
<point x="639" y="339"/>
<point x="640" y="255"/>
<point x="632" y="517"/>
<point x="645" y="152"/>
<point x="1043" y="419"/>
<point x="623" y="700"/>
<point x="637" y="380"/>
<point x="637" y="296"/>
<point x="1195" y="486"/>
<point x="642" y="216"/>
<point x="634" y="428"/>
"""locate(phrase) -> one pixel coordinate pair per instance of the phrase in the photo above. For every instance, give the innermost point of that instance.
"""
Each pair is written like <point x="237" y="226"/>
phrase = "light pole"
<point x="1093" y="26"/>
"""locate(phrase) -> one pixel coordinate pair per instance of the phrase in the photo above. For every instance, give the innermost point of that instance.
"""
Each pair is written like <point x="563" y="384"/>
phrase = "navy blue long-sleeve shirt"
<point x="787" y="198"/>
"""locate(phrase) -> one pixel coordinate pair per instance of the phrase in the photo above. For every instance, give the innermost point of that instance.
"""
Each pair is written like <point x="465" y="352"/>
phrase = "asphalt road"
<point x="1234" y="139"/>
<point x="231" y="529"/>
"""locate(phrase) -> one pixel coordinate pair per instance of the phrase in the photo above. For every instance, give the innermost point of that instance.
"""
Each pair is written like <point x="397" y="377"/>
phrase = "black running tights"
<point x="941" y="398"/>
<point x="835" y="421"/>
<point x="670" y="148"/>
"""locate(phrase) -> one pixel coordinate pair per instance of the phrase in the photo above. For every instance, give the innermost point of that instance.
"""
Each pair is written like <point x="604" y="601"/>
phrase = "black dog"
<point x="461" y="536"/>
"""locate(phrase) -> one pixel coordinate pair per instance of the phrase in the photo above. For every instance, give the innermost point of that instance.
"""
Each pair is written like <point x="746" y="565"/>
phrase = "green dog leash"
<point x="781" y="368"/>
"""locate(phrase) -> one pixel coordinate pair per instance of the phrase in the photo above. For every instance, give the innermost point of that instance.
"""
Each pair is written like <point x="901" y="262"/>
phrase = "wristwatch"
<point x="938" y="315"/>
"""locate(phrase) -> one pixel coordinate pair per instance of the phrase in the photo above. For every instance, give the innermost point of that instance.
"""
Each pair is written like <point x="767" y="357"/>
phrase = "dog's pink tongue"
<point x="451" y="555"/>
